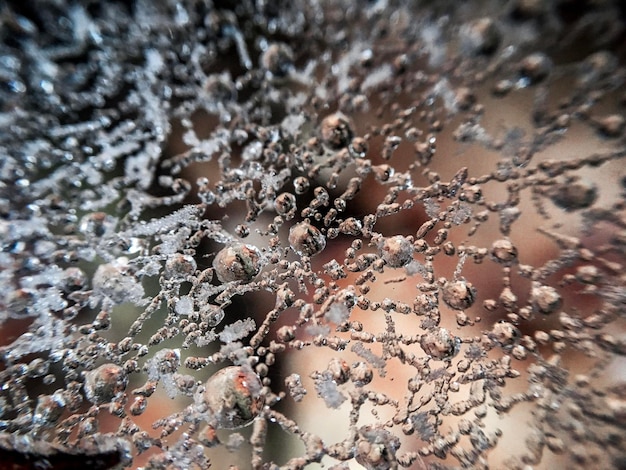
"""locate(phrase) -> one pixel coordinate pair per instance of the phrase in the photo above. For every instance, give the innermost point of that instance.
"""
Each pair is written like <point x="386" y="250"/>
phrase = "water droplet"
<point x="180" y="266"/>
<point x="359" y="147"/>
<point x="339" y="370"/>
<point x="306" y="240"/>
<point x="361" y="374"/>
<point x="164" y="362"/>
<point x="238" y="262"/>
<point x="481" y="36"/>
<point x="440" y="344"/>
<point x="575" y="195"/>
<point x="286" y="333"/>
<point x="97" y="224"/>
<point x="504" y="252"/>
<point x="459" y="295"/>
<point x="301" y="185"/>
<point x="277" y="59"/>
<point x="545" y="299"/>
<point x="242" y="231"/>
<point x="234" y="397"/>
<point x="588" y="274"/>
<point x="115" y="281"/>
<point x="336" y="131"/>
<point x="74" y="279"/>
<point x="139" y="406"/>
<point x="49" y="409"/>
<point x="19" y="302"/>
<point x="611" y="126"/>
<point x="104" y="384"/>
<point x="504" y="333"/>
<point x="535" y="67"/>
<point x="285" y="204"/>
<point x="397" y="251"/>
<point x="376" y="448"/>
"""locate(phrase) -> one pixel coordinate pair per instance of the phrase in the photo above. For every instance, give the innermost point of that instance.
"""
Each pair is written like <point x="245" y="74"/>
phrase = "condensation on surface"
<point x="319" y="234"/>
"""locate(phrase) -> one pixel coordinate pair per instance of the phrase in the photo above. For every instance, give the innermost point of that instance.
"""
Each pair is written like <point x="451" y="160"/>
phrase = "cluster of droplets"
<point x="220" y="219"/>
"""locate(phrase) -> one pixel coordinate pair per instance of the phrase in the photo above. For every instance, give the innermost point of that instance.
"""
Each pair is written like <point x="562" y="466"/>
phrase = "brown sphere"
<point x="234" y="397"/>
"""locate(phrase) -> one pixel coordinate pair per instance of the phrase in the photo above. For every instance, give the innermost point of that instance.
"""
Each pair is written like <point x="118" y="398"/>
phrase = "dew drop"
<point x="336" y="131"/>
<point x="504" y="252"/>
<point x="180" y="266"/>
<point x="545" y="299"/>
<point x="575" y="195"/>
<point x="306" y="240"/>
<point x="481" y="36"/>
<point x="138" y="406"/>
<point x="285" y="204"/>
<point x="504" y="333"/>
<point x="234" y="397"/>
<point x="339" y="370"/>
<point x="277" y="59"/>
<point x="397" y="251"/>
<point x="361" y="374"/>
<point x="535" y="67"/>
<point x="440" y="344"/>
<point x="301" y="185"/>
<point x="238" y="262"/>
<point x="459" y="295"/>
<point x="104" y="384"/>
<point x="376" y="448"/>
<point x="49" y="409"/>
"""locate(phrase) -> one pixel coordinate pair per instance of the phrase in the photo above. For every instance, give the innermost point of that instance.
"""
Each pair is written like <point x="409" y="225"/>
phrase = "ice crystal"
<point x="313" y="233"/>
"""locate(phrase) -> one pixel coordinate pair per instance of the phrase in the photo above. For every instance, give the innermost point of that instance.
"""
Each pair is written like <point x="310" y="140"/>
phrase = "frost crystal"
<point x="238" y="330"/>
<point x="327" y="389"/>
